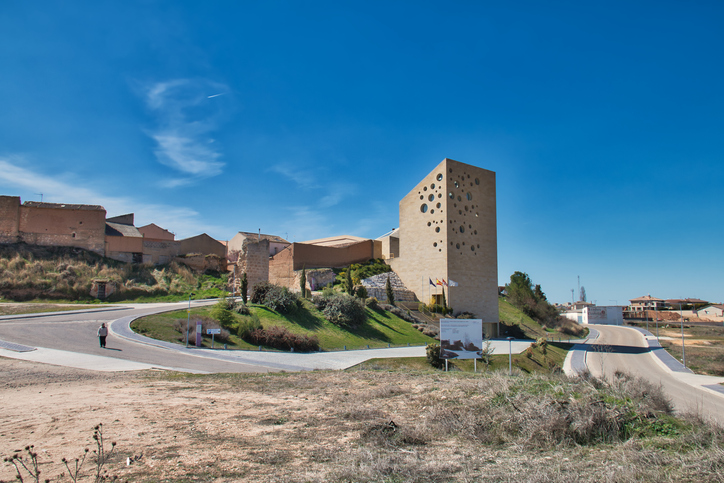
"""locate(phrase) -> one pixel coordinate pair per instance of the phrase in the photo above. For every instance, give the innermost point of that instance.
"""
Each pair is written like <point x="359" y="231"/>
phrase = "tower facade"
<point x="448" y="231"/>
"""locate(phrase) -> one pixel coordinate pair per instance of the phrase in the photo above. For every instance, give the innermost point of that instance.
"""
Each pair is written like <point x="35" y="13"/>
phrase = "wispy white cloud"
<point x="187" y="112"/>
<point x="306" y="179"/>
<point x="183" y="221"/>
<point x="329" y="193"/>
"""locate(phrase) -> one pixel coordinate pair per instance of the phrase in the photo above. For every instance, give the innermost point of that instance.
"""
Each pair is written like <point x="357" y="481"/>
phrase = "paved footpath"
<point x="177" y="357"/>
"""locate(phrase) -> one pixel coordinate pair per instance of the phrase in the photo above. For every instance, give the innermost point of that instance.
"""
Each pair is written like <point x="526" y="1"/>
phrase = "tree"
<point x="520" y="291"/>
<point x="303" y="282"/>
<point x="538" y="294"/>
<point x="244" y="287"/>
<point x="583" y="293"/>
<point x="390" y="292"/>
<point x="487" y="351"/>
<point x="348" y="284"/>
<point x="444" y="302"/>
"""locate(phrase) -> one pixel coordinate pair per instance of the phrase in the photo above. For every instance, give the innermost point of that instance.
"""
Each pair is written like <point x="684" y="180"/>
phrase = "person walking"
<point x="102" y="334"/>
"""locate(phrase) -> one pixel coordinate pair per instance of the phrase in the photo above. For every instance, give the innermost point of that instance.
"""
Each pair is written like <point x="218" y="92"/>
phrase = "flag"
<point x="450" y="283"/>
<point x="444" y="282"/>
<point x="431" y="282"/>
<point x="438" y="282"/>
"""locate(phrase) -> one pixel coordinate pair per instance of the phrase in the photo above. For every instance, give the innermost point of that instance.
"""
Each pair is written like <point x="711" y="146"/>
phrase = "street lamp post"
<point x="683" y="349"/>
<point x="188" y="319"/>
<point x="510" y="355"/>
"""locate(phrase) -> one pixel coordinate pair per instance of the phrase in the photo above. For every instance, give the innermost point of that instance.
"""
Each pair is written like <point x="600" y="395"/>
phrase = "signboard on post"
<point x="199" y="333"/>
<point x="461" y="338"/>
<point x="212" y="333"/>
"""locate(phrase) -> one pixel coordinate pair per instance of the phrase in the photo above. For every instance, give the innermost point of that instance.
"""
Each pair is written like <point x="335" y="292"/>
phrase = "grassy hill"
<point x="380" y="329"/>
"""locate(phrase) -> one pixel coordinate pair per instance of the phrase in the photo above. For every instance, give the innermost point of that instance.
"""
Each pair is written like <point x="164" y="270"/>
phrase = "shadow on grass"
<point x="376" y="319"/>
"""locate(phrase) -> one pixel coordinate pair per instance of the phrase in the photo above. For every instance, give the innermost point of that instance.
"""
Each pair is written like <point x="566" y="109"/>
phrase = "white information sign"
<point x="461" y="338"/>
<point x="213" y="331"/>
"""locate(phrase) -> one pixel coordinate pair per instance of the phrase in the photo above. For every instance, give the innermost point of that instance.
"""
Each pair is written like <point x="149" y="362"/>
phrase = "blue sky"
<point x="604" y="122"/>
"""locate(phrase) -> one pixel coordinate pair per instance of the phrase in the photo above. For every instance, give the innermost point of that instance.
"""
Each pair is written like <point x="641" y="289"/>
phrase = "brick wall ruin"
<point x="52" y="224"/>
<point x="253" y="258"/>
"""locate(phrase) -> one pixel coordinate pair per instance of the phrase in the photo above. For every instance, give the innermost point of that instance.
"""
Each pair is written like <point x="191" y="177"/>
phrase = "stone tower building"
<point x="448" y="231"/>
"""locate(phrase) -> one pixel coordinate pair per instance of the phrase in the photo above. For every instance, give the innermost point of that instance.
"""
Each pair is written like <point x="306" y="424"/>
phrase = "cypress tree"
<point x="349" y="286"/>
<point x="444" y="302"/>
<point x="390" y="292"/>
<point x="244" y="287"/>
<point x="303" y="282"/>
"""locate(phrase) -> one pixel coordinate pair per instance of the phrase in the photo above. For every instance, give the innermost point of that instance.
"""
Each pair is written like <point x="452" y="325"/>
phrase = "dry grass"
<point x="379" y="426"/>
<point x="63" y="273"/>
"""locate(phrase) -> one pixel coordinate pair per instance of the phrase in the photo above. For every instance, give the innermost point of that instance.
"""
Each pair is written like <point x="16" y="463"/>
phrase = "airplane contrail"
<point x="216" y="95"/>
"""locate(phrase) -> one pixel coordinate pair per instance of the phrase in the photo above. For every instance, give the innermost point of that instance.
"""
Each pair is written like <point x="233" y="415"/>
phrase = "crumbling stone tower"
<point x="253" y="258"/>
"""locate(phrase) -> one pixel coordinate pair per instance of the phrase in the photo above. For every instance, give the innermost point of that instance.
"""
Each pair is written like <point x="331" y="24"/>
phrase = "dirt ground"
<point x="294" y="427"/>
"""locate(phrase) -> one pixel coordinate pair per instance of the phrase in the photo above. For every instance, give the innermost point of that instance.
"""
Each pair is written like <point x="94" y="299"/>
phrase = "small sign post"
<point x="212" y="332"/>
<point x="199" y="333"/>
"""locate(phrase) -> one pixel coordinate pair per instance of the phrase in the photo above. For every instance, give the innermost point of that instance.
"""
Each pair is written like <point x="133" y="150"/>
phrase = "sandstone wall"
<point x="314" y="256"/>
<point x="159" y="252"/>
<point x="49" y="226"/>
<point x="203" y="244"/>
<point x="202" y="263"/>
<point x="9" y="219"/>
<point x="281" y="269"/>
<point x="253" y="258"/>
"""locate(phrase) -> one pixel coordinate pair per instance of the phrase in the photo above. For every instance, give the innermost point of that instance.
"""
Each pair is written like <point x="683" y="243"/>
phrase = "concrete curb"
<point x="66" y="312"/>
<point x="575" y="362"/>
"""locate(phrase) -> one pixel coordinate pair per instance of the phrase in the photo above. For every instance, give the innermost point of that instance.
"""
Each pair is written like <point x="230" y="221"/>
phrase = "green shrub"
<point x="432" y="352"/>
<point x="281" y="338"/>
<point x="361" y="292"/>
<point x="372" y="303"/>
<point x="247" y="326"/>
<point x="344" y="310"/>
<point x="242" y="309"/>
<point x="277" y="298"/>
<point x="224" y="316"/>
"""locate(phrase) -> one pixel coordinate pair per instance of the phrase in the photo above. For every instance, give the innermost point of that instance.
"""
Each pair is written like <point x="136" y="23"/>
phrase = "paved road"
<point x="636" y="352"/>
<point x="69" y="339"/>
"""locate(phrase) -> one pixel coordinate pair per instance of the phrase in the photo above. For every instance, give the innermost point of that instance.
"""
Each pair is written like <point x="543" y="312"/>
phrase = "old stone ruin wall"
<point x="377" y="287"/>
<point x="253" y="258"/>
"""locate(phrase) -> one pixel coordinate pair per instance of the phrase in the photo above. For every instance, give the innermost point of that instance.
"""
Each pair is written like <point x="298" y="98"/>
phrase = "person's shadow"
<point x="112" y="349"/>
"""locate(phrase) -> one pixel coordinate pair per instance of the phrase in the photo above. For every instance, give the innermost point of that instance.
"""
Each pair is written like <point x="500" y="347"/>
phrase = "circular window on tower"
<point x="462" y="229"/>
<point x="432" y="186"/>
<point x="423" y="208"/>
<point x="431" y="197"/>
<point x="438" y="205"/>
<point x="459" y="199"/>
<point x="457" y="185"/>
<point x="472" y="248"/>
<point x="452" y="196"/>
<point x="437" y="229"/>
<point x="439" y="176"/>
<point x="469" y="196"/>
<point x="457" y="245"/>
<point x="422" y="197"/>
<point x="434" y="244"/>
<point x="477" y="181"/>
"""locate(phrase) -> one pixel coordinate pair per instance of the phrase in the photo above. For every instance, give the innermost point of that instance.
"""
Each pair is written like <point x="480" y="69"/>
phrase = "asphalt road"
<point x="69" y="338"/>
<point x="76" y="332"/>
<point x="625" y="349"/>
